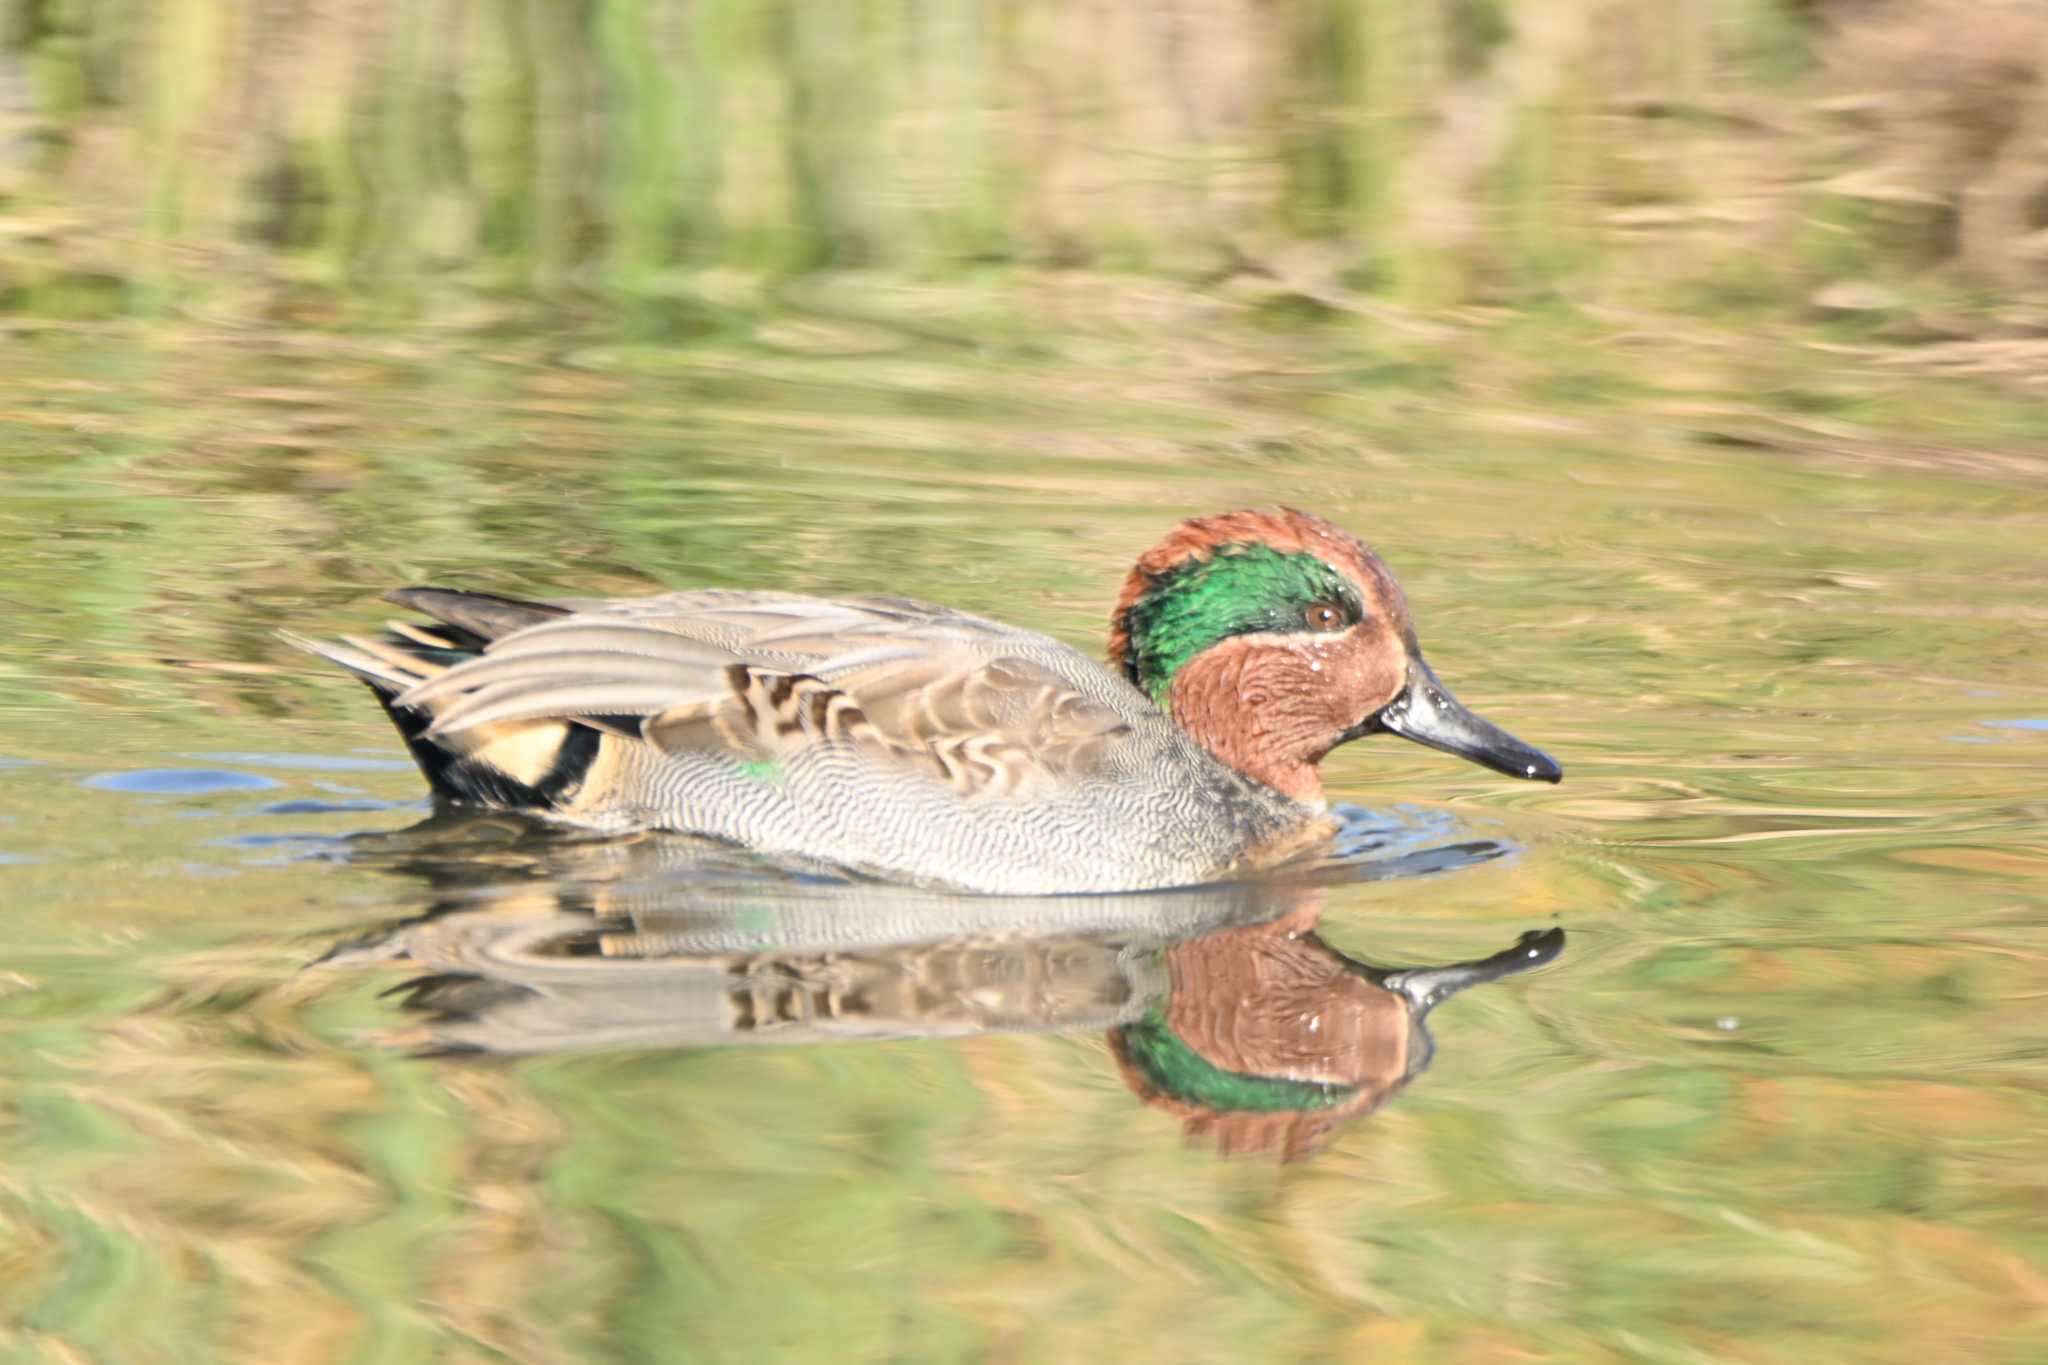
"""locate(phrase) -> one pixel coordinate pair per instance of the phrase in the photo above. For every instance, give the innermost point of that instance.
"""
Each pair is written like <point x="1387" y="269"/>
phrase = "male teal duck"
<point x="915" y="743"/>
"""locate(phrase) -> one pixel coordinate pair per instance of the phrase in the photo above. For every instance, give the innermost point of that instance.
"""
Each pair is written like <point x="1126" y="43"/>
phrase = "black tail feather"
<point x="484" y="615"/>
<point x="463" y="771"/>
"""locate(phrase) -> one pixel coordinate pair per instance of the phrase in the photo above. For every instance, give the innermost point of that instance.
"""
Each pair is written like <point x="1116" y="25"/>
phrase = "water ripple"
<point x="180" y="781"/>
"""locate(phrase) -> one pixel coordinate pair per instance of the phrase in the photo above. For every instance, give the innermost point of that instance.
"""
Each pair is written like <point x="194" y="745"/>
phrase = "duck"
<point x="888" y="738"/>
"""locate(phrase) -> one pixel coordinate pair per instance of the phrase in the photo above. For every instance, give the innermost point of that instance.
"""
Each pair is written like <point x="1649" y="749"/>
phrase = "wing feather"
<point x="760" y="676"/>
<point x="568" y="698"/>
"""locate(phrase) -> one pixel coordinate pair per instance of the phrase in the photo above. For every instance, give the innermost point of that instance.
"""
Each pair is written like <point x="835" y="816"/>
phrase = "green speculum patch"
<point x="1240" y="590"/>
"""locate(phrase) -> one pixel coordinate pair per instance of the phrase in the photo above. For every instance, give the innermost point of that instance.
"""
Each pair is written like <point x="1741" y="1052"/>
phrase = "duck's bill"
<point x="1427" y="713"/>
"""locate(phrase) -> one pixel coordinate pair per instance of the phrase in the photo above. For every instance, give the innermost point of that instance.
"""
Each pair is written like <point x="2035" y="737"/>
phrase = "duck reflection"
<point x="1223" y="1006"/>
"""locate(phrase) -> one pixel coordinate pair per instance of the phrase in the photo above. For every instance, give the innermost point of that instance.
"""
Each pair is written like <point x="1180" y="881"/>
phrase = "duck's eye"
<point x="1324" y="615"/>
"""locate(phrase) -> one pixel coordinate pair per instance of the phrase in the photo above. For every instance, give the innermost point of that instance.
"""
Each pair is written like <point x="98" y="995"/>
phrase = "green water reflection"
<point x="1780" y="1100"/>
<point x="588" y="297"/>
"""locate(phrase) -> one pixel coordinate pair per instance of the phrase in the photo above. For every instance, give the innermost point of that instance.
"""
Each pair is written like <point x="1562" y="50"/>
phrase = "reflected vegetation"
<point x="653" y="162"/>
<point x="1684" y="361"/>
<point x="1223" y="1006"/>
<point x="1777" y="1094"/>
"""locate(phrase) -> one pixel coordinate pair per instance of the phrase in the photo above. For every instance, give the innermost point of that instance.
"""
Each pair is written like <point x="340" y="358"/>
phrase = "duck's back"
<point x="876" y="734"/>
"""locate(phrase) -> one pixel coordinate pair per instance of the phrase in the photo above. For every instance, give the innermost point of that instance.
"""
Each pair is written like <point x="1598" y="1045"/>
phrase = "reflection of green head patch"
<point x="1240" y="590"/>
<point x="1173" y="1068"/>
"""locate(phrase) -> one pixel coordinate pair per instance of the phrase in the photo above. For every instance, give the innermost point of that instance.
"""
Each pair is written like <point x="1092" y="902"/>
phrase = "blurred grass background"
<point x="628" y="160"/>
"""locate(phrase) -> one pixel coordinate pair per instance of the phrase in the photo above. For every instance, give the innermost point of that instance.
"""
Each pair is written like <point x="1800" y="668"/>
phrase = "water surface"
<point x="1780" y="1099"/>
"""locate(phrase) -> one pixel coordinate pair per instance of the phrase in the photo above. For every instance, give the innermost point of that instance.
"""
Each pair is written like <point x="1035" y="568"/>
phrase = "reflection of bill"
<point x="1222" y="1004"/>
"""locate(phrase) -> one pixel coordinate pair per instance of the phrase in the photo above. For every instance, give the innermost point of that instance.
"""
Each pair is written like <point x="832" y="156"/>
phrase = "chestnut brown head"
<point x="1272" y="636"/>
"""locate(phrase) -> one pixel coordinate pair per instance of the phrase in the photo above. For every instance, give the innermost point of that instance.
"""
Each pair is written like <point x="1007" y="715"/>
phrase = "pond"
<point x="294" y="1068"/>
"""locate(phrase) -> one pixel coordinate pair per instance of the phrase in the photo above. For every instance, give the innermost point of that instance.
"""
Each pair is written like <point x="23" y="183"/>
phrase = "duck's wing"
<point x="761" y="677"/>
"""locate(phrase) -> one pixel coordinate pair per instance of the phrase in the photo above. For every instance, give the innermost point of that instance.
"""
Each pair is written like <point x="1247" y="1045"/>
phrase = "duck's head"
<point x="1272" y="637"/>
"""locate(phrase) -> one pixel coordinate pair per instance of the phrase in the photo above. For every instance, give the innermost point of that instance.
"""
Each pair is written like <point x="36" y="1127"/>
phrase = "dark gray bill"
<point x="1427" y="713"/>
